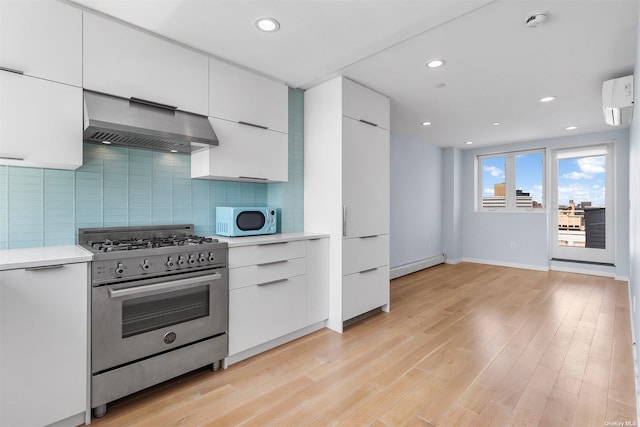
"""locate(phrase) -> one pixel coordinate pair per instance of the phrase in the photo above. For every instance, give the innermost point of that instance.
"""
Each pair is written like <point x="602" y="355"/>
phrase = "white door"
<point x="365" y="172"/>
<point x="582" y="215"/>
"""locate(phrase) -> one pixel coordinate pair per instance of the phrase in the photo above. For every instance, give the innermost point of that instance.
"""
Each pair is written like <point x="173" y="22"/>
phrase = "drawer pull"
<point x="264" y="264"/>
<point x="368" y="123"/>
<point x="368" y="270"/>
<point x="344" y="221"/>
<point x="12" y="70"/>
<point x="368" y="237"/>
<point x="153" y="104"/>
<point x="253" y="125"/>
<point x="44" y="267"/>
<point x="272" y="243"/>
<point x="254" y="178"/>
<point x="273" y="282"/>
<point x="11" y="158"/>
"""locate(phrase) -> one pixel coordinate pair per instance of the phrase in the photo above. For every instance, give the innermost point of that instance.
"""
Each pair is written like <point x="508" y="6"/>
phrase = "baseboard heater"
<point x="412" y="267"/>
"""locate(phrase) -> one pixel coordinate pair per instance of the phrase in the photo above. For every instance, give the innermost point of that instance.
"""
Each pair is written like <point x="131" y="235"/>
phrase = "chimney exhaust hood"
<point x="143" y="124"/>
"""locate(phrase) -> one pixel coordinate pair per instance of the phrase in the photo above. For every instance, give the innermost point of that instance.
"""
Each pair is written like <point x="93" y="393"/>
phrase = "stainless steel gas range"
<point x="159" y="306"/>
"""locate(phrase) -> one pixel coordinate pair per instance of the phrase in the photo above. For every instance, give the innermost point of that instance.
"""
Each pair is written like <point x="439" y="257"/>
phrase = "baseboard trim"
<point x="453" y="261"/>
<point x="412" y="267"/>
<point x="507" y="264"/>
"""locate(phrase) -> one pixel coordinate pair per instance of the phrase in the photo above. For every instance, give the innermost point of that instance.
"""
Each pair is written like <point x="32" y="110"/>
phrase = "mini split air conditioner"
<point x="617" y="101"/>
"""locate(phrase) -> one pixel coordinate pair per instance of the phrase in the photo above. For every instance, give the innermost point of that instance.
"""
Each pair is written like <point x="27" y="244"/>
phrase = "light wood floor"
<point x="463" y="345"/>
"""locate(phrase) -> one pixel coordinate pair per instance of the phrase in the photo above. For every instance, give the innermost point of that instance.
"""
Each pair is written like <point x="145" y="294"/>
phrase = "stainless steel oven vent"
<point x="142" y="124"/>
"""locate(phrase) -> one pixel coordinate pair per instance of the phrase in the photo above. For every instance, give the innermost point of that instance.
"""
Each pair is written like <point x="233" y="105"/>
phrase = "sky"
<point x="579" y="179"/>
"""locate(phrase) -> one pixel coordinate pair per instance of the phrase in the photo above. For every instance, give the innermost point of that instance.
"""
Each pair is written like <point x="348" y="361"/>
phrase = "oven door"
<point x="131" y="322"/>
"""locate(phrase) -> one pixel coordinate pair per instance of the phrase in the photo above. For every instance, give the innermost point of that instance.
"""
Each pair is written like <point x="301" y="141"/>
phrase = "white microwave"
<point x="234" y="221"/>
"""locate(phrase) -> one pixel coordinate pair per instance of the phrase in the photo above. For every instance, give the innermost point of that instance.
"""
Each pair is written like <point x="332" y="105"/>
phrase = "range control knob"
<point x="202" y="258"/>
<point x="119" y="269"/>
<point x="181" y="261"/>
<point x="146" y="265"/>
<point x="192" y="259"/>
<point x="211" y="257"/>
<point x="171" y="263"/>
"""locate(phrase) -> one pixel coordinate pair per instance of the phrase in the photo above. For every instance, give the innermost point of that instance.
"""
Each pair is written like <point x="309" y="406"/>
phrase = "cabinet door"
<point x="43" y="353"/>
<point x="365" y="172"/>
<point x="119" y="60"/>
<point x="364" y="291"/>
<point x="317" y="280"/>
<point x="245" y="153"/>
<point x="361" y="103"/>
<point x="42" y="39"/>
<point x="239" y="95"/>
<point x="41" y="123"/>
<point x="363" y="253"/>
<point x="258" y="314"/>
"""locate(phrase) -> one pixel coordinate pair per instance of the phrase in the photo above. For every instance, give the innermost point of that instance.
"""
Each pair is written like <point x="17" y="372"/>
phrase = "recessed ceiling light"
<point x="106" y="142"/>
<point x="174" y="151"/>
<point x="496" y="123"/>
<point x="268" y="25"/>
<point x="547" y="99"/>
<point x="435" y="63"/>
<point x="426" y="123"/>
<point x="469" y="142"/>
<point x="572" y="127"/>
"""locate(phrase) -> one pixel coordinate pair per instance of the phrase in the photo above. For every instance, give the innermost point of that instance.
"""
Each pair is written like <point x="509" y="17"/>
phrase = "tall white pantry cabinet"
<point x="346" y="192"/>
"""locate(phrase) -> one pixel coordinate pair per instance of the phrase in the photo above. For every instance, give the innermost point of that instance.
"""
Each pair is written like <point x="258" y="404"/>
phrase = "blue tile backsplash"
<point x="119" y="186"/>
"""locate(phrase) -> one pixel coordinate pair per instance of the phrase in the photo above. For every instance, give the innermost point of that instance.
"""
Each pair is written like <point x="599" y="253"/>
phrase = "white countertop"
<point x="268" y="238"/>
<point x="11" y="259"/>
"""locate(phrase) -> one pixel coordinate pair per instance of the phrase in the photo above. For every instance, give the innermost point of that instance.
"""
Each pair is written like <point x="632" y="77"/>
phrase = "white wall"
<point x="416" y="218"/>
<point x="634" y="201"/>
<point x="522" y="239"/>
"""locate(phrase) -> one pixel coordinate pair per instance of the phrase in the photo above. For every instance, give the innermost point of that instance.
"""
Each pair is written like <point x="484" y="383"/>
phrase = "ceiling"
<point x="496" y="68"/>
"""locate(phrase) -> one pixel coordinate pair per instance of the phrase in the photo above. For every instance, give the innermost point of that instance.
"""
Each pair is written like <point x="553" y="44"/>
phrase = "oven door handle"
<point x="157" y="288"/>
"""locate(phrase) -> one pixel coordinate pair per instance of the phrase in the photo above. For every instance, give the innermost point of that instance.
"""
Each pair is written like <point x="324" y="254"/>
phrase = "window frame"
<point x="510" y="181"/>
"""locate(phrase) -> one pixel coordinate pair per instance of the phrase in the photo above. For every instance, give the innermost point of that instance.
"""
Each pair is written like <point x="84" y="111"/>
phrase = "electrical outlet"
<point x="514" y="245"/>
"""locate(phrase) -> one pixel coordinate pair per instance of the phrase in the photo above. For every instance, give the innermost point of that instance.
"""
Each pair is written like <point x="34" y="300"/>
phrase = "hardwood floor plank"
<point x="464" y="345"/>
<point x="559" y="409"/>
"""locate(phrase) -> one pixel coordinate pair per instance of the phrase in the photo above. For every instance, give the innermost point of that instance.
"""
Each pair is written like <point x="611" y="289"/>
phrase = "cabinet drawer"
<point x="363" y="253"/>
<point x="268" y="252"/>
<point x="365" y="291"/>
<point x="266" y="272"/>
<point x="258" y="314"/>
<point x="362" y="103"/>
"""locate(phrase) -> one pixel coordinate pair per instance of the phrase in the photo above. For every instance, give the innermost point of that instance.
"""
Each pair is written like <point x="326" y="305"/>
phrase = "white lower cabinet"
<point x="43" y="344"/>
<point x="262" y="312"/>
<point x="364" y="291"/>
<point x="275" y="290"/>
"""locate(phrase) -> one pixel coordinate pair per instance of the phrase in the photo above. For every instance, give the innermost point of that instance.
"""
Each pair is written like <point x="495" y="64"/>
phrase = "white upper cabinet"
<point x="122" y="61"/>
<point x="250" y="115"/>
<point x="361" y="103"/>
<point x="242" y="96"/>
<point x="42" y="39"/>
<point x="245" y="153"/>
<point x="41" y="123"/>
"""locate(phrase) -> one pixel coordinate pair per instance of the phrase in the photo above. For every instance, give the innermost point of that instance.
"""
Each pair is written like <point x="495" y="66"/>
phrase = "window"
<point x="511" y="181"/>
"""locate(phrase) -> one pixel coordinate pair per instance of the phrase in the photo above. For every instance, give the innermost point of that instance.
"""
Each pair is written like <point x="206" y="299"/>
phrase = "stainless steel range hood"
<point x="143" y="124"/>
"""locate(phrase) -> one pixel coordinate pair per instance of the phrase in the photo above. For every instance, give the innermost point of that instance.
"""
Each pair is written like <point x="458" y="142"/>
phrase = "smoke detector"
<point x="535" y="19"/>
